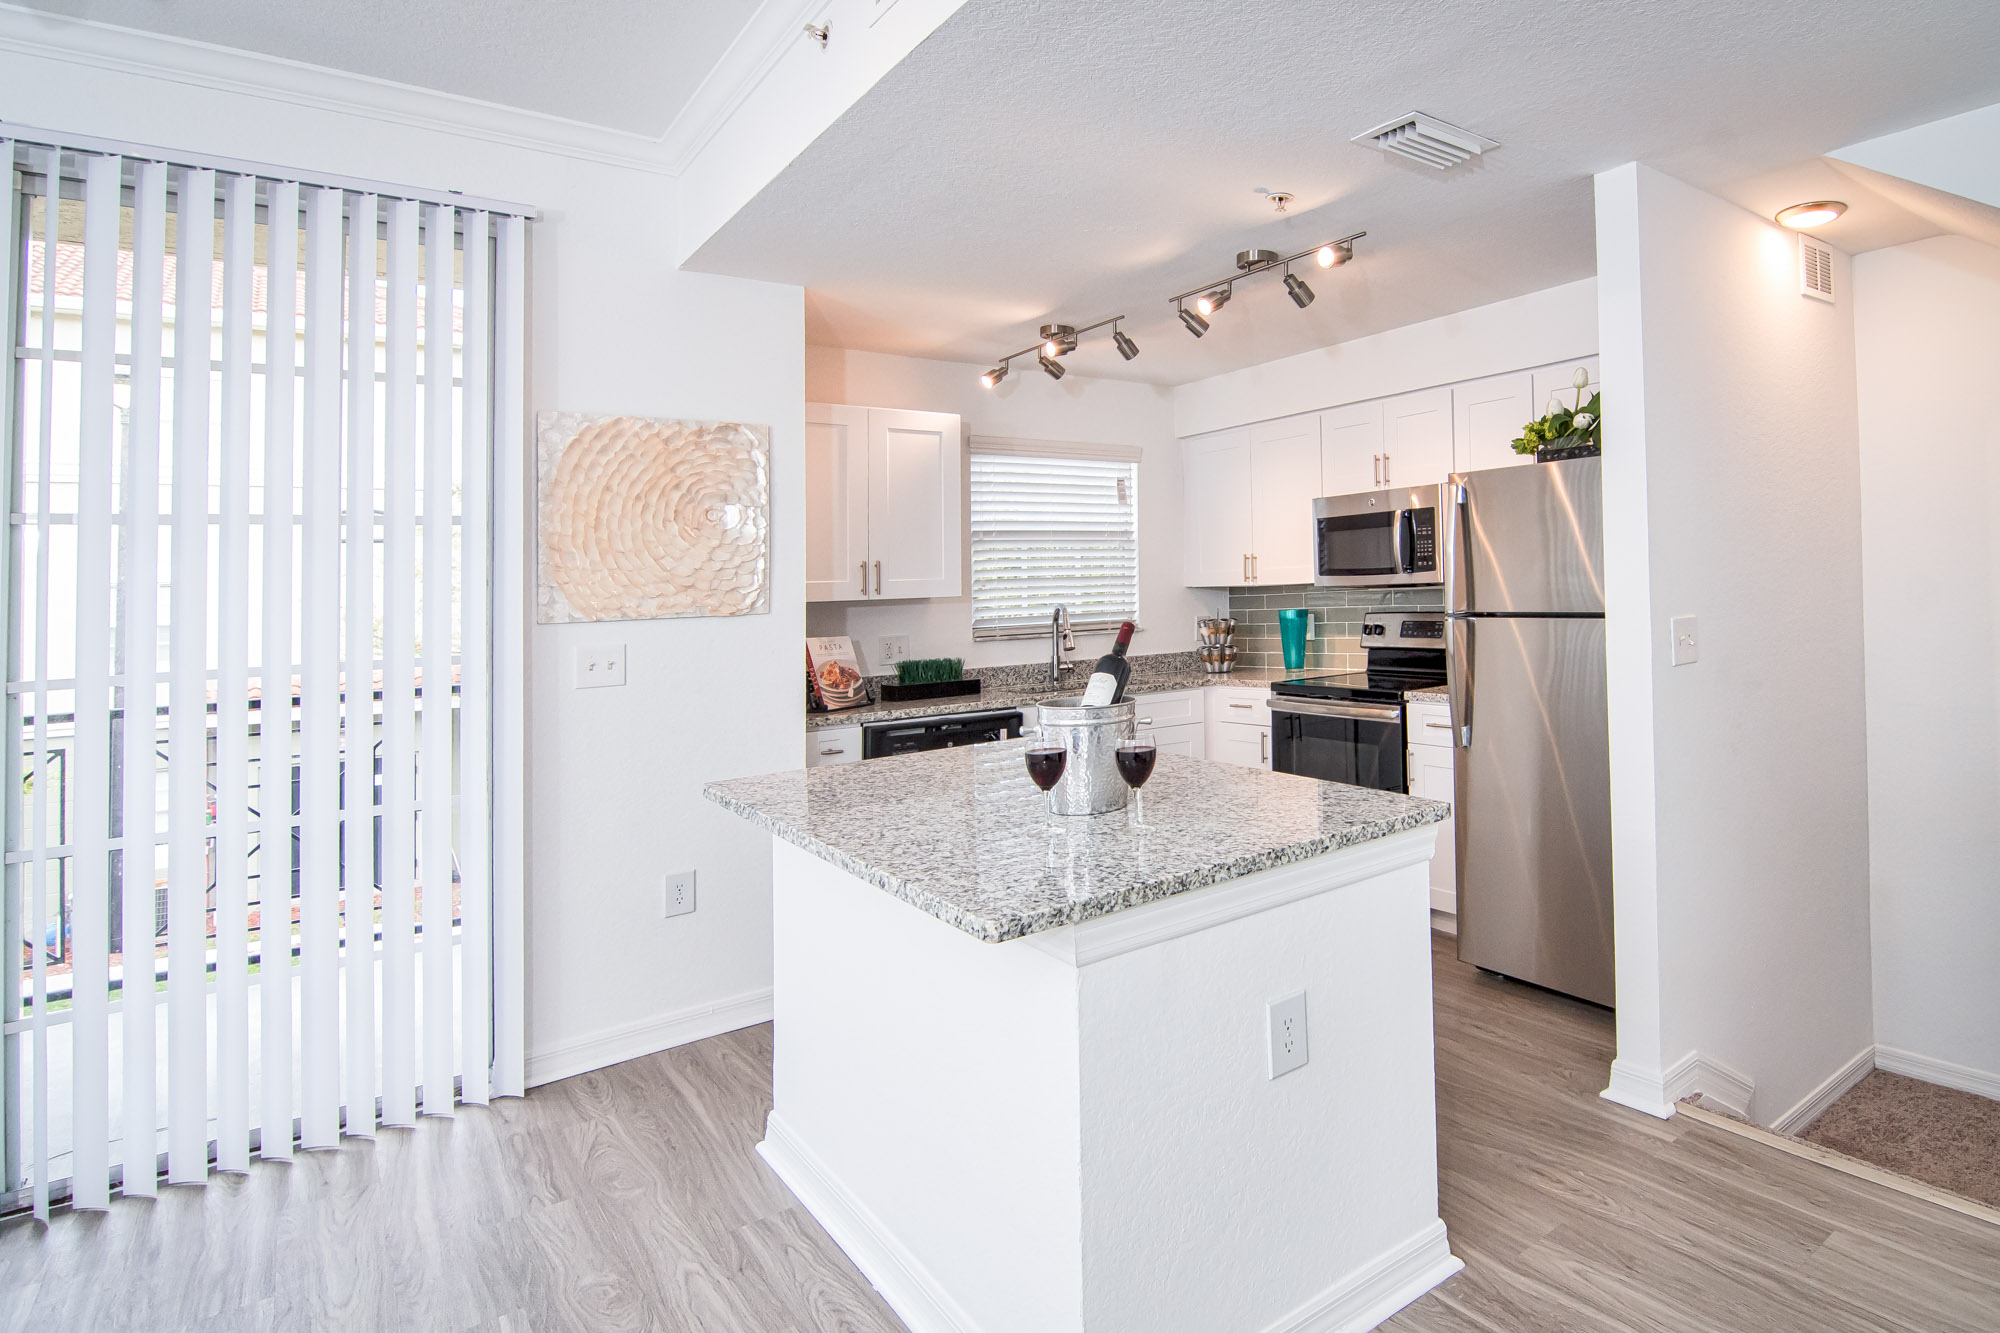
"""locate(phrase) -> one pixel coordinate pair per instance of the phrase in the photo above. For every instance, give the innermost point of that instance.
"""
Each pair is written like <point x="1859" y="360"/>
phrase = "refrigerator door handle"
<point x="1458" y="680"/>
<point x="1452" y="501"/>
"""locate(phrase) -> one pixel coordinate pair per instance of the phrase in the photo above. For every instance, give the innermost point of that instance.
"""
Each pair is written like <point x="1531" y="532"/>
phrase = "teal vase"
<point x="1292" y="627"/>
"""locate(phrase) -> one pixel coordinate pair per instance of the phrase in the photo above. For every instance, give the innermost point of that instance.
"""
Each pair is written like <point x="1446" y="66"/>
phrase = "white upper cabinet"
<point x="1216" y="525"/>
<point x="1556" y="385"/>
<point x="1284" y="482"/>
<point x="1490" y="414"/>
<point x="1350" y="448"/>
<point x="1417" y="438"/>
<point x="885" y="504"/>
<point x="836" y="503"/>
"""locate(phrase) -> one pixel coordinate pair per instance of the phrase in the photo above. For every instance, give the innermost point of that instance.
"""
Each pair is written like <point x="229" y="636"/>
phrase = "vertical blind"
<point x="256" y="425"/>
<point x="1053" y="525"/>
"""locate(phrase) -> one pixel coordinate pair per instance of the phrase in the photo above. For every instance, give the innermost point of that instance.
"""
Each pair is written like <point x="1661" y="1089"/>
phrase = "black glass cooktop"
<point x="1357" y="684"/>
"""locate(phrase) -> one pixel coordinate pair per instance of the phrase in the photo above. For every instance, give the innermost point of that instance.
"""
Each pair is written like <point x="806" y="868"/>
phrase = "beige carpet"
<point x="1940" y="1136"/>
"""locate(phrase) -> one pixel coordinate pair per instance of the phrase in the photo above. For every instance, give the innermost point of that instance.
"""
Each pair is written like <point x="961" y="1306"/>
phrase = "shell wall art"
<point x="644" y="518"/>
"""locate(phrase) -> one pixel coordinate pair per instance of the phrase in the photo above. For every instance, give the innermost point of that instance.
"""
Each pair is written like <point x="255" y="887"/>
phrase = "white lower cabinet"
<point x="833" y="745"/>
<point x="1431" y="773"/>
<point x="1240" y="743"/>
<point x="1173" y="722"/>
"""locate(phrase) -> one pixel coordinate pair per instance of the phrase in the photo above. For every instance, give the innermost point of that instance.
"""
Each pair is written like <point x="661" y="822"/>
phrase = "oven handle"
<point x="1360" y="712"/>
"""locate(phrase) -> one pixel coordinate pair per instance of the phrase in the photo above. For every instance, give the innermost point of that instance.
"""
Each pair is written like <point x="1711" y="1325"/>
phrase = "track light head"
<point x="1334" y="254"/>
<point x="1295" y="287"/>
<point x="994" y="376"/>
<point x="1195" y="323"/>
<point x="1210" y="302"/>
<point x="1126" y="347"/>
<point x="1058" y="339"/>
<point x="1051" y="365"/>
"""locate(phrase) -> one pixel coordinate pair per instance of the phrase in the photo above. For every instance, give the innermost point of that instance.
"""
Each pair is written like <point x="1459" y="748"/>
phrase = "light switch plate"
<point x="1687" y="640"/>
<point x="895" y="648"/>
<point x="1286" y="1020"/>
<point x="600" y="664"/>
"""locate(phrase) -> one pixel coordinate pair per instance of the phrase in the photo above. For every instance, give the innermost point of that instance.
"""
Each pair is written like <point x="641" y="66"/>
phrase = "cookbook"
<point x="833" y="675"/>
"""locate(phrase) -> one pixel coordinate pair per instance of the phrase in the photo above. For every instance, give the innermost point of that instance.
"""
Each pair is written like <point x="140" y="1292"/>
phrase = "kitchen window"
<point x="1053" y="524"/>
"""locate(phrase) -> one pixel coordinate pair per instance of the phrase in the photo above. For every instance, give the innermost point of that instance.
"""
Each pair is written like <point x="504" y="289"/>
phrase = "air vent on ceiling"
<point x="1815" y="269"/>
<point x="1425" y="139"/>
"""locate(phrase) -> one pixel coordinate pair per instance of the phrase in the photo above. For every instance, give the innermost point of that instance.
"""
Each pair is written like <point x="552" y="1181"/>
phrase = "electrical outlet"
<point x="1687" y="640"/>
<point x="600" y="664"/>
<point x="677" y="897"/>
<point x="895" y="648"/>
<point x="1287" y="1022"/>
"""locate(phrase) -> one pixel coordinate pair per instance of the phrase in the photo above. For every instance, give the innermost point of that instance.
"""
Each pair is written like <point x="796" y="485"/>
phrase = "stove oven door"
<point x="1339" y="740"/>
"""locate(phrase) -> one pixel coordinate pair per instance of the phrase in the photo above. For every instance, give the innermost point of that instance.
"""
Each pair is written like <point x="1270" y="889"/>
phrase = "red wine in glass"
<point x="1135" y="765"/>
<point x="1046" y="764"/>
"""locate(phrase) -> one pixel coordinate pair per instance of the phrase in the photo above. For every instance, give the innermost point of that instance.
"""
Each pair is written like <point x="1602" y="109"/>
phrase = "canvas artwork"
<point x="645" y="518"/>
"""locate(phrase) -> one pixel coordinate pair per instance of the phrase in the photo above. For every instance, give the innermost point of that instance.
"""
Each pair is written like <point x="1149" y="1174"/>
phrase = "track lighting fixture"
<point x="1212" y="296"/>
<point x="1059" y="340"/>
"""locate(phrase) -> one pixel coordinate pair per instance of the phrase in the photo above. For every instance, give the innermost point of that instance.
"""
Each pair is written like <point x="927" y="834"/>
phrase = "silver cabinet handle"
<point x="878" y="578"/>
<point x="1246" y="568"/>
<point x="1385" y="471"/>
<point x="1243" y="705"/>
<point x="1441" y="726"/>
<point x="864" y="578"/>
<point x="833" y="752"/>
<point x="1264" y="747"/>
<point x="1253" y="566"/>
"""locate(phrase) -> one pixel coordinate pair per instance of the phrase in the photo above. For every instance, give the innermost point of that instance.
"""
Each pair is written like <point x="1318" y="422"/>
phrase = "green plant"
<point x="929" y="670"/>
<point x="1566" y="427"/>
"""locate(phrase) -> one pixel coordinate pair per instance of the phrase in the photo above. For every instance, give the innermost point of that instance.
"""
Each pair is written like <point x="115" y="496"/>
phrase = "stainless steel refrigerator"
<point x="1524" y="586"/>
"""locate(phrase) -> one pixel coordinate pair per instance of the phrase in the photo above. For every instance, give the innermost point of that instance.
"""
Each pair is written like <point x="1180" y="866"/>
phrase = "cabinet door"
<point x="836" y="502"/>
<point x="1216" y="509"/>
<point x="1430" y="770"/>
<point x="1183" y="740"/>
<point x="916" y="504"/>
<point x="1239" y="743"/>
<point x="1350" y="448"/>
<point x="1284" y="482"/>
<point x="1490" y="414"/>
<point x="1416" y="438"/>
<point x="1556" y="385"/>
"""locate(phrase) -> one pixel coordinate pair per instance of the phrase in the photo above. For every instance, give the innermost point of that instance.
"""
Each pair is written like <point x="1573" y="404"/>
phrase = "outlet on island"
<point x="1286" y="1020"/>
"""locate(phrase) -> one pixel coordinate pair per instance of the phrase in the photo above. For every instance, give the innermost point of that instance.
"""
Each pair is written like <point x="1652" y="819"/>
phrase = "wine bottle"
<point x="1108" y="677"/>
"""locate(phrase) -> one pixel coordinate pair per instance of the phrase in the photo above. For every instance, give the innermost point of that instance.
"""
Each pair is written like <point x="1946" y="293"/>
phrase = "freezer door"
<point x="1533" y="810"/>
<point x="1526" y="539"/>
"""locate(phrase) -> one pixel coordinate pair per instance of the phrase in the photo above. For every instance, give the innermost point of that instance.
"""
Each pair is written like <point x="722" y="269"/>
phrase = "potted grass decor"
<point x="929" y="678"/>
<point x="1572" y="431"/>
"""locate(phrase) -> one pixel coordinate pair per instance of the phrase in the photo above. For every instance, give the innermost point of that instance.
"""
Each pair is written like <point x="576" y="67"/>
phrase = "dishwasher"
<point x="908" y="735"/>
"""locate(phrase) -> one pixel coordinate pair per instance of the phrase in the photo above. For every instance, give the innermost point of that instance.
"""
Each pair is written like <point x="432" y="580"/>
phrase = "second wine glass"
<point x="1135" y="765"/>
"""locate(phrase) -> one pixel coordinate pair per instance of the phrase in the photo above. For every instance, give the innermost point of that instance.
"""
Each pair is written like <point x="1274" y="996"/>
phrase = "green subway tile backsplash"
<point x="1337" y="612"/>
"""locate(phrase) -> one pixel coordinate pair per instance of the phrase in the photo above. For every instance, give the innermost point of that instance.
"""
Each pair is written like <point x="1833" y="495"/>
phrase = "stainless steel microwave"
<point x="1379" y="538"/>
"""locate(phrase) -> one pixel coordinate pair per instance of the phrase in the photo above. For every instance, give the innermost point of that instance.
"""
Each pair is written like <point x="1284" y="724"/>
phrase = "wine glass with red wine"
<point x="1135" y="765"/>
<point x="1045" y="766"/>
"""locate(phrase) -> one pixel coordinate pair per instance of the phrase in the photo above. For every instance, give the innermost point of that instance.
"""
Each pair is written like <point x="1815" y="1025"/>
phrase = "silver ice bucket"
<point x="1090" y="783"/>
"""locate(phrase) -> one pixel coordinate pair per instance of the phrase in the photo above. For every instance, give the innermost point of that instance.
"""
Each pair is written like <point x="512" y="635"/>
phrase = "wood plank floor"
<point x="632" y="1199"/>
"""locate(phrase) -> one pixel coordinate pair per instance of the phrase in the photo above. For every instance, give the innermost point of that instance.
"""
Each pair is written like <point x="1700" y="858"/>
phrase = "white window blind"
<point x="1052" y="528"/>
<point x="259" y="430"/>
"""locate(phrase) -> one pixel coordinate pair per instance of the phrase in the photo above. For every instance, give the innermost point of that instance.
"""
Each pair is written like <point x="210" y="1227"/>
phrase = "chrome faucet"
<point x="1060" y="641"/>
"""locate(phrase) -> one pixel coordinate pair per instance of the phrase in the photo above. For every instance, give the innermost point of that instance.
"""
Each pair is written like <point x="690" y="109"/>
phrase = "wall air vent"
<point x="1425" y="139"/>
<point x="1815" y="269"/>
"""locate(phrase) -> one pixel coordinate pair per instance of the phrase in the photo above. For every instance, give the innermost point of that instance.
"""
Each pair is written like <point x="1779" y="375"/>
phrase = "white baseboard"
<point x="1444" y="923"/>
<point x="1814" y="1103"/>
<point x="902" y="1279"/>
<point x="1942" y="1072"/>
<point x="632" y="1040"/>
<point x="1639" y="1089"/>
<point x="1695" y="1073"/>
<point x="1366" y="1298"/>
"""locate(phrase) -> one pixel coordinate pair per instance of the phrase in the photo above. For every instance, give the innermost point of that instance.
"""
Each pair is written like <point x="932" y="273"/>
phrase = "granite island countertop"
<point x="1022" y="686"/>
<point x="963" y="835"/>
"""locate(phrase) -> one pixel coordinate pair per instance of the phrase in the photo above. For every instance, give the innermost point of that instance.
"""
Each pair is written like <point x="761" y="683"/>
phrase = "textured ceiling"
<point x="1036" y="159"/>
<point x="623" y="64"/>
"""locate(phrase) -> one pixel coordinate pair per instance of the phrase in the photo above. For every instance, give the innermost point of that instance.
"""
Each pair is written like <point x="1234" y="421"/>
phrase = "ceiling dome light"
<point x="1295" y="287"/>
<point x="1815" y="214"/>
<point x="1195" y="323"/>
<point x="1052" y="366"/>
<point x="994" y="376"/>
<point x="1335" y="254"/>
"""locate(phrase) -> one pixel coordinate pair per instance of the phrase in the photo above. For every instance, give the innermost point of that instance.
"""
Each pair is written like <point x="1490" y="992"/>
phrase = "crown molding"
<point x="225" y="69"/>
<point x="765" y="39"/>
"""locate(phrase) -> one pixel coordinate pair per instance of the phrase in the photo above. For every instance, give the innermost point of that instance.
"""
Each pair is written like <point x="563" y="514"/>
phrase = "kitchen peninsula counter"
<point x="1034" y="1079"/>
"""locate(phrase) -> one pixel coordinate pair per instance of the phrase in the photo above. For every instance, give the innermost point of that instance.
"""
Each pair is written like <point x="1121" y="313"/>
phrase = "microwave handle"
<point x="1396" y="556"/>
<point x="1406" y="541"/>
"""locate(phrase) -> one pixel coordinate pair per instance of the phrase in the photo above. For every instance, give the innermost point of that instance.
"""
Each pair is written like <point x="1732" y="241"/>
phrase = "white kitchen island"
<point x="1022" y="1077"/>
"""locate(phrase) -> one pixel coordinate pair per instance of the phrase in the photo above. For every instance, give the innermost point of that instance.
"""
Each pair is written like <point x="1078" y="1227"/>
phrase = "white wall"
<point x="1557" y="324"/>
<point x="1927" y="340"/>
<point x="614" y="776"/>
<point x="1956" y="154"/>
<point x="1026" y="405"/>
<point x="1732" y="492"/>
